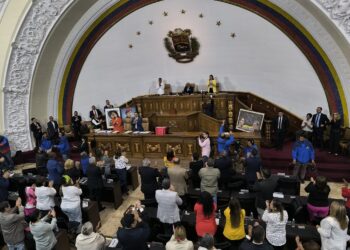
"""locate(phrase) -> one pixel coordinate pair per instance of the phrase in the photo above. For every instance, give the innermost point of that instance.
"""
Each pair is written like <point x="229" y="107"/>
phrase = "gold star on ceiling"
<point x="233" y="35"/>
<point x="165" y="13"/>
<point x="150" y="22"/>
<point x="130" y="46"/>
<point x="201" y="15"/>
<point x="218" y="23"/>
<point x="183" y="11"/>
<point x="138" y="33"/>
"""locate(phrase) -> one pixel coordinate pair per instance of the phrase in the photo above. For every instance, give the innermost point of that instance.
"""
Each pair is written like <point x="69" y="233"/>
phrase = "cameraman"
<point x="204" y="143"/>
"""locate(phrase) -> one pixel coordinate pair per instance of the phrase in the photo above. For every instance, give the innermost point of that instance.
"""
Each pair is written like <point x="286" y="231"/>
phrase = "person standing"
<point x="195" y="166"/>
<point x="13" y="224"/>
<point x="95" y="182"/>
<point x="280" y="126"/>
<point x="303" y="154"/>
<point x="5" y="150"/>
<point x="45" y="194"/>
<point x="149" y="175"/>
<point x="76" y="124"/>
<point x="319" y="122"/>
<point x="306" y="126"/>
<point x="35" y="127"/>
<point x="136" y="122"/>
<point x="88" y="239"/>
<point x="178" y="240"/>
<point x="63" y="146"/>
<point x="120" y="166"/>
<point x="225" y="139"/>
<point x="204" y="143"/>
<point x="4" y="184"/>
<point x="108" y="105"/>
<point x="55" y="169"/>
<point x="204" y="210"/>
<point x="160" y="86"/>
<point x="252" y="166"/>
<point x="178" y="177"/>
<point x="209" y="178"/>
<point x="212" y="85"/>
<point x="334" y="138"/>
<point x="52" y="129"/>
<point x="333" y="229"/>
<point x="225" y="165"/>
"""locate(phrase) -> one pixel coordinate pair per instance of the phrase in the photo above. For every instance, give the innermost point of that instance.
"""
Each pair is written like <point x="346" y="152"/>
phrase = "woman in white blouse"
<point x="71" y="204"/>
<point x="276" y="219"/>
<point x="45" y="194"/>
<point x="121" y="162"/>
<point x="333" y="229"/>
<point x="306" y="125"/>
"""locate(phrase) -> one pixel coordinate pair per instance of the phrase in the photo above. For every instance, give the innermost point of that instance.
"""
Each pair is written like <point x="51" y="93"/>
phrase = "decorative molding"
<point x="339" y="12"/>
<point x="3" y="4"/>
<point x="35" y="28"/>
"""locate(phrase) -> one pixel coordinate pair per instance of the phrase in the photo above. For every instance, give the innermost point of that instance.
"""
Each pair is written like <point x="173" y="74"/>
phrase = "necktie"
<point x="318" y="120"/>
<point x="280" y="122"/>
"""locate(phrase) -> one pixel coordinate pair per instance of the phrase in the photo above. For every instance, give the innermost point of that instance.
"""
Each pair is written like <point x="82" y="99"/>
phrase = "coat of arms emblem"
<point x="181" y="45"/>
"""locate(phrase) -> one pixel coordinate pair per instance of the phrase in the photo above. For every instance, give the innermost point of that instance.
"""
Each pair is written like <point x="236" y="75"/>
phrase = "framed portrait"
<point x="249" y="121"/>
<point x="110" y="113"/>
<point x="127" y="112"/>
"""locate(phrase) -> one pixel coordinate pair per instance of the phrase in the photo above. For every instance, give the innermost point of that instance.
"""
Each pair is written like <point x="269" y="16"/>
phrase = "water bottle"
<point x="251" y="217"/>
<point x="293" y="222"/>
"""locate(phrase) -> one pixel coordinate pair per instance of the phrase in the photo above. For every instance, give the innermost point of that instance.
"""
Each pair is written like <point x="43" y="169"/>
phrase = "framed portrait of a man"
<point x="249" y="121"/>
<point x="111" y="114"/>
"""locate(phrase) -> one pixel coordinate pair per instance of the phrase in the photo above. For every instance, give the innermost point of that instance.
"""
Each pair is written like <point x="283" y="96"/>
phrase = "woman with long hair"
<point x="317" y="202"/>
<point x="333" y="229"/>
<point x="205" y="214"/>
<point x="276" y="219"/>
<point x="168" y="159"/>
<point x="234" y="226"/>
<point x="116" y="122"/>
<point x="334" y="135"/>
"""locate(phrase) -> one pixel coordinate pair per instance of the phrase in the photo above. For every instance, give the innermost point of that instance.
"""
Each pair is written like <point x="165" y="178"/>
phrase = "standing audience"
<point x="204" y="210"/>
<point x="30" y="206"/>
<point x="334" y="135"/>
<point x="195" y="166"/>
<point x="88" y="239"/>
<point x="95" y="182"/>
<point x="306" y="126"/>
<point x="149" y="175"/>
<point x="209" y="178"/>
<point x="319" y="122"/>
<point x="178" y="177"/>
<point x="55" y="169"/>
<point x="204" y="143"/>
<point x="4" y="184"/>
<point x="252" y="166"/>
<point x="120" y="166"/>
<point x="280" y="126"/>
<point x="45" y="194"/>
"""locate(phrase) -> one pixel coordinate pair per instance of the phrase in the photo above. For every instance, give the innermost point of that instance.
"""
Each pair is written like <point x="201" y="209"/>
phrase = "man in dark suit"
<point x="35" y="127"/>
<point x="95" y="182"/>
<point x="95" y="113"/>
<point x="319" y="122"/>
<point x="76" y="124"/>
<point x="265" y="186"/>
<point x="149" y="175"/>
<point x="107" y="106"/>
<point x="195" y="166"/>
<point x="136" y="122"/>
<point x="280" y="126"/>
<point x="189" y="89"/>
<point x="52" y="129"/>
<point x="252" y="166"/>
<point x="224" y="164"/>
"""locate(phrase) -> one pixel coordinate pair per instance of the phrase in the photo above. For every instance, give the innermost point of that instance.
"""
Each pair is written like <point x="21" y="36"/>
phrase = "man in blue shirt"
<point x="303" y="154"/>
<point x="225" y="140"/>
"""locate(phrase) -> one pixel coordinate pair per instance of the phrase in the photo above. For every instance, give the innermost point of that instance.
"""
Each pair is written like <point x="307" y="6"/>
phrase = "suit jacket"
<point x="36" y="129"/>
<point x="285" y="124"/>
<point x="76" y="122"/>
<point x="188" y="90"/>
<point x="224" y="164"/>
<point x="178" y="176"/>
<point x="94" y="175"/>
<point x="168" y="202"/>
<point x="252" y="165"/>
<point x="52" y="130"/>
<point x="99" y="114"/>
<point x="195" y="166"/>
<point x="149" y="176"/>
<point x="265" y="189"/>
<point x="55" y="170"/>
<point x="138" y="123"/>
<point x="323" y="120"/>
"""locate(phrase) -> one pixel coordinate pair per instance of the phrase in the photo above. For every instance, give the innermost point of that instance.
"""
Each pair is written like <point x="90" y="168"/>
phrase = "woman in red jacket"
<point x="205" y="215"/>
<point x="345" y="192"/>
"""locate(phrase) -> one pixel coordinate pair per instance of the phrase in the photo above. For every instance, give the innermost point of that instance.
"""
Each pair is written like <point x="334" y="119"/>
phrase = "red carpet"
<point x="333" y="167"/>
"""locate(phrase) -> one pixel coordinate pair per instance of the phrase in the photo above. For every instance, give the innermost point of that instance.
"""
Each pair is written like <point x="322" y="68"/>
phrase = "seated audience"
<point x="333" y="229"/>
<point x="136" y="122"/>
<point x="4" y="184"/>
<point x="45" y="194"/>
<point x="63" y="146"/>
<point x="188" y="89"/>
<point x="265" y="187"/>
<point x="95" y="182"/>
<point x="149" y="175"/>
<point x="84" y="162"/>
<point x="178" y="177"/>
<point x="303" y="154"/>
<point x="206" y="243"/>
<point x="255" y="239"/>
<point x="46" y="143"/>
<point x="195" y="166"/>
<point x="224" y="164"/>
<point x="71" y="203"/>
<point x="252" y="166"/>
<point x="121" y="162"/>
<point x="55" y="169"/>
<point x="135" y="232"/>
<point x="88" y="239"/>
<point x="178" y="240"/>
<point x="42" y="231"/>
<point x="168" y="201"/>
<point x="204" y="143"/>
<point x="168" y="159"/>
<point x="234" y="223"/>
<point x="12" y="224"/>
<point x="204" y="210"/>
<point x="308" y="245"/>
<point x="276" y="219"/>
<point x="72" y="169"/>
<point x="317" y="201"/>
<point x="30" y="206"/>
<point x="209" y="178"/>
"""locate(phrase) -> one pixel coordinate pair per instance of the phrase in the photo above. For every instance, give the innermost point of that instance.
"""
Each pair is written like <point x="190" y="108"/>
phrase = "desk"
<point x="91" y="213"/>
<point x="133" y="177"/>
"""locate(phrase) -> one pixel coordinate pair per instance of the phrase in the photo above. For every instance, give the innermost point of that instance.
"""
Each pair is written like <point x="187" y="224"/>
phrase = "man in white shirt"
<point x="160" y="86"/>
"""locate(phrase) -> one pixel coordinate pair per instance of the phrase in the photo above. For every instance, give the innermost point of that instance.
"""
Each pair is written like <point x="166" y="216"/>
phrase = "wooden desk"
<point x="152" y="146"/>
<point x="91" y="213"/>
<point x="133" y="177"/>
